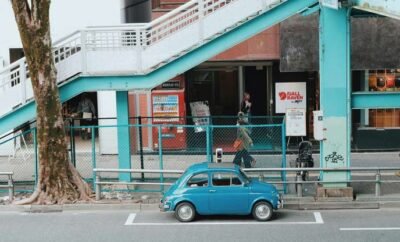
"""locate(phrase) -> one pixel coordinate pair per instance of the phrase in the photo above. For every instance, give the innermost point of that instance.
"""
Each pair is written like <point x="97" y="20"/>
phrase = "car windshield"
<point x="246" y="179"/>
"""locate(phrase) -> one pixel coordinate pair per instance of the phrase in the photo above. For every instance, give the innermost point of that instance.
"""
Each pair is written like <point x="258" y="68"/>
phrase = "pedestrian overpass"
<point x="142" y="56"/>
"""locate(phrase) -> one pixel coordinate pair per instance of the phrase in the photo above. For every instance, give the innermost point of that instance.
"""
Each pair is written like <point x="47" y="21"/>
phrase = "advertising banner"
<point x="290" y="95"/>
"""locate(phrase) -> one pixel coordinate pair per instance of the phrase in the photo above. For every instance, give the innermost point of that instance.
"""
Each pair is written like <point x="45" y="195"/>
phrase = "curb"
<point x="304" y="203"/>
<point x="79" y="207"/>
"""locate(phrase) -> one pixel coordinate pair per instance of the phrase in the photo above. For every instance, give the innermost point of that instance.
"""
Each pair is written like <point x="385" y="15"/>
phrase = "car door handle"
<point x="212" y="190"/>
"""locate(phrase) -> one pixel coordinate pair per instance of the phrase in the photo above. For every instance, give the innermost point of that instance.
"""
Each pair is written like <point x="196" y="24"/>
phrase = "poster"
<point x="295" y="122"/>
<point x="201" y="114"/>
<point x="290" y="95"/>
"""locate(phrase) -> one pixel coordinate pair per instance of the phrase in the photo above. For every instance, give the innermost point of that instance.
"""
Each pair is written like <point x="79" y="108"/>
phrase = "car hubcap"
<point x="185" y="212"/>
<point x="262" y="211"/>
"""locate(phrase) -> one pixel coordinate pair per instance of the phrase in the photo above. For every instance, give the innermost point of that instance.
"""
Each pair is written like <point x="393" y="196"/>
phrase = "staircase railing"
<point x="133" y="48"/>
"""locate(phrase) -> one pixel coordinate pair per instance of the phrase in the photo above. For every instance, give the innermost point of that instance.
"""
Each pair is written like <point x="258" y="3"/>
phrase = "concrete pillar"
<point x="124" y="152"/>
<point x="335" y="74"/>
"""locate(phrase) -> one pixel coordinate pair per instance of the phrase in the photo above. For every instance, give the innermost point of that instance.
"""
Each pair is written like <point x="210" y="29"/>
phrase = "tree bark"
<point x="58" y="181"/>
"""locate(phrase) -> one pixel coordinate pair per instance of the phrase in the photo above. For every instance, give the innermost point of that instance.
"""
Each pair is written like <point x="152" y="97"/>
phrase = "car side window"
<point x="226" y="179"/>
<point x="198" y="180"/>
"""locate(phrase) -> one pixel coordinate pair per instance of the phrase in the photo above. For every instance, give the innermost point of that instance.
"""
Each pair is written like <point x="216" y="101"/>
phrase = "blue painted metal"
<point x="94" y="165"/>
<point x="224" y="199"/>
<point x="182" y="64"/>
<point x="124" y="147"/>
<point x="389" y="8"/>
<point x="335" y="90"/>
<point x="283" y="174"/>
<point x="310" y="10"/>
<point x="160" y="154"/>
<point x="209" y="146"/>
<point x="375" y="100"/>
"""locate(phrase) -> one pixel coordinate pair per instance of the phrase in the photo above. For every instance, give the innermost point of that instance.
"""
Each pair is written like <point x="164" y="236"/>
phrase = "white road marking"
<point x="368" y="229"/>
<point x="317" y="216"/>
<point x="130" y="219"/>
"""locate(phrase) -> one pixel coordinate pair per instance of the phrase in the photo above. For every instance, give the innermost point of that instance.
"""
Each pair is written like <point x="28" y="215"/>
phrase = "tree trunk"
<point x="59" y="182"/>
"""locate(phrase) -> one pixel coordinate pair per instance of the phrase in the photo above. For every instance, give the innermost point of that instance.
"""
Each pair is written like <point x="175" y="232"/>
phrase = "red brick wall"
<point x="264" y="46"/>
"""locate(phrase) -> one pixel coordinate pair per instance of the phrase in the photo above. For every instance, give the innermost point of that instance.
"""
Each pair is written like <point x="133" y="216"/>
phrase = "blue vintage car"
<point x="219" y="188"/>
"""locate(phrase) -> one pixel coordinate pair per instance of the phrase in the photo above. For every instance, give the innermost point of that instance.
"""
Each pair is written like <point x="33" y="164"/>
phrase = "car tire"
<point x="262" y="211"/>
<point x="185" y="212"/>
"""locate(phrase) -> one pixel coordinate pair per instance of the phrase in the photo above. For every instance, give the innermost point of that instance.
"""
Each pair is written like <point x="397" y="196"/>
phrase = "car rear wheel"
<point x="185" y="212"/>
<point x="262" y="211"/>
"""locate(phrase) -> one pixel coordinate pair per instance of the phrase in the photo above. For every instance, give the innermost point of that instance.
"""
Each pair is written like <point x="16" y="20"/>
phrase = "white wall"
<point x="65" y="18"/>
<point x="106" y="105"/>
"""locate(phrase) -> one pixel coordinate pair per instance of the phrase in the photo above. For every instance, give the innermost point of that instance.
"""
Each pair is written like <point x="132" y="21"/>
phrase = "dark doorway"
<point x="256" y="84"/>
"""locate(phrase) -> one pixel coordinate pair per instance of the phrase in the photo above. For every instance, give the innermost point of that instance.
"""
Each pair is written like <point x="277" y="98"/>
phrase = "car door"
<point x="196" y="190"/>
<point x="227" y="194"/>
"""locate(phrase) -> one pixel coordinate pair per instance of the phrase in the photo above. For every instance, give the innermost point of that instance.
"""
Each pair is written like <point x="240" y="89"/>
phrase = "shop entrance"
<point x="256" y="83"/>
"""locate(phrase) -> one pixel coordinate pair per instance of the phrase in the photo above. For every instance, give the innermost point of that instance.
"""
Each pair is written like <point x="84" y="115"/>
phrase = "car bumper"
<point x="164" y="207"/>
<point x="280" y="201"/>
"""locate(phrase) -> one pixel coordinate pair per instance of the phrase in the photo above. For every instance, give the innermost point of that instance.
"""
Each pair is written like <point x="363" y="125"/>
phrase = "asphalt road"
<point x="287" y="225"/>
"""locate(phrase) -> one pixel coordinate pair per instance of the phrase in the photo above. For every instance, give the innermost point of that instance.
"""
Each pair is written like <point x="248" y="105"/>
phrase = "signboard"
<point x="330" y="4"/>
<point x="174" y="84"/>
<point x="296" y="122"/>
<point x="201" y="114"/>
<point x="290" y="95"/>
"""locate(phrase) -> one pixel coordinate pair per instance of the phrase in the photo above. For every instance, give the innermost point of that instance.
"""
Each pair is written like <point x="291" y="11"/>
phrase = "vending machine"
<point x="168" y="109"/>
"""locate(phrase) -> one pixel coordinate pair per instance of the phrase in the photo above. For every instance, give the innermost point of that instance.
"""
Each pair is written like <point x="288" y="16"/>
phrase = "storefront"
<point x="376" y="129"/>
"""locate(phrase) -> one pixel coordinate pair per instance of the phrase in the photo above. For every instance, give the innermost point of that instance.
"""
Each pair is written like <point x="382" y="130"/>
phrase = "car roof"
<point x="207" y="166"/>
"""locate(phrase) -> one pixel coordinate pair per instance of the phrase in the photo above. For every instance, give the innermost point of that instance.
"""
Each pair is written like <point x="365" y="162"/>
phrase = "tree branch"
<point x="22" y="11"/>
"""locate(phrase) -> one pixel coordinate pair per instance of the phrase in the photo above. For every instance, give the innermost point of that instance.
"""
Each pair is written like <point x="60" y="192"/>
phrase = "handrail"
<point x="298" y="181"/>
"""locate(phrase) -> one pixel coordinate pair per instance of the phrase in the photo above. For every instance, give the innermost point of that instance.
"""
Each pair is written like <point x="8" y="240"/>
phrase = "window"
<point x="226" y="179"/>
<point x="198" y="180"/>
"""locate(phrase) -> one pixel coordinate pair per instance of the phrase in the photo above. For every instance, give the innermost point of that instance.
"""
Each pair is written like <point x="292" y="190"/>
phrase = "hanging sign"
<point x="290" y="95"/>
<point x="330" y="4"/>
<point x="201" y="115"/>
<point x="295" y="122"/>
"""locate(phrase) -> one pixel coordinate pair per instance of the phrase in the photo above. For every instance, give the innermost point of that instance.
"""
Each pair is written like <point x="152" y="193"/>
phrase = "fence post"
<point x="378" y="184"/>
<point x="299" y="185"/>
<point x="10" y="188"/>
<point x="93" y="154"/>
<point x="160" y="153"/>
<point x="208" y="141"/>
<point x="98" y="187"/>
<point x="283" y="174"/>
<point x="141" y="145"/>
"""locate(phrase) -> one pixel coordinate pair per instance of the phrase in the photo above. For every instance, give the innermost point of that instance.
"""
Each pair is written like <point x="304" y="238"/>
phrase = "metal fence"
<point x="366" y="176"/>
<point x="154" y="144"/>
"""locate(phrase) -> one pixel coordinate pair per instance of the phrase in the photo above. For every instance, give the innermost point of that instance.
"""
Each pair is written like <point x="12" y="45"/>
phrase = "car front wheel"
<point x="185" y="212"/>
<point x="262" y="211"/>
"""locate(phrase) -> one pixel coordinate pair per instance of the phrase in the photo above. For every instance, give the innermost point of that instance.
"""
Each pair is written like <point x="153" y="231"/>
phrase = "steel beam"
<point x="124" y="146"/>
<point x="335" y="91"/>
<point x="375" y="100"/>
